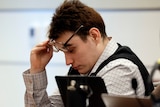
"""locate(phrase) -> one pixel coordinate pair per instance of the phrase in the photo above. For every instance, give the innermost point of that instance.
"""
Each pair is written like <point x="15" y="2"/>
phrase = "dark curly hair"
<point x="70" y="15"/>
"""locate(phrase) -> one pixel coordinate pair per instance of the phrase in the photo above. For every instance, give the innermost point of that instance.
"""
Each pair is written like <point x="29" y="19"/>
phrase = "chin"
<point x="83" y="72"/>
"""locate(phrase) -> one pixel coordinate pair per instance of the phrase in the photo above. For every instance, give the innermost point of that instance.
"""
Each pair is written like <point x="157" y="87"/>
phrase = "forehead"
<point x="65" y="36"/>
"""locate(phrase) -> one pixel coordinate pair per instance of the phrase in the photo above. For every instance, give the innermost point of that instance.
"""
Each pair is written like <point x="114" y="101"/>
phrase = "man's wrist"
<point x="36" y="70"/>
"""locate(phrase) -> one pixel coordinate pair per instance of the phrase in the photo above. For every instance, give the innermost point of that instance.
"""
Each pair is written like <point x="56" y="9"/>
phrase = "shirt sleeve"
<point x="36" y="95"/>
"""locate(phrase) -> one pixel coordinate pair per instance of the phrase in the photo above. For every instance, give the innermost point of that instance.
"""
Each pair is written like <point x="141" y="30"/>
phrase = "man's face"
<point x="82" y="55"/>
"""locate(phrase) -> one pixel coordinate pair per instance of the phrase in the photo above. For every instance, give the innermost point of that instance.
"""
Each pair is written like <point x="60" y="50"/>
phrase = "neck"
<point x="105" y="42"/>
<point x="103" y="45"/>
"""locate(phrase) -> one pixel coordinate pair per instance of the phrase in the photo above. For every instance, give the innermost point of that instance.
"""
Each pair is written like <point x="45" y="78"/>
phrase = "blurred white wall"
<point x="139" y="29"/>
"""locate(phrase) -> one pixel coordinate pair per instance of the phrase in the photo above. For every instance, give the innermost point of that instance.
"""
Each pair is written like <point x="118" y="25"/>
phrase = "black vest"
<point x="125" y="52"/>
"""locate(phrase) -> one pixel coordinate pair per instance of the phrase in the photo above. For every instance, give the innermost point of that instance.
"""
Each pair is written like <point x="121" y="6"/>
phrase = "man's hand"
<point x="40" y="57"/>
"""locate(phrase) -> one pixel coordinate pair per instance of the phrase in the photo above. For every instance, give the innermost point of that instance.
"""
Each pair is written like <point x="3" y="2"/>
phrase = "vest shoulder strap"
<point x="126" y="52"/>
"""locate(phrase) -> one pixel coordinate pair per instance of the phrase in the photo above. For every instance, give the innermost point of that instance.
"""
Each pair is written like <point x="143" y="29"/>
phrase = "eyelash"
<point x="71" y="50"/>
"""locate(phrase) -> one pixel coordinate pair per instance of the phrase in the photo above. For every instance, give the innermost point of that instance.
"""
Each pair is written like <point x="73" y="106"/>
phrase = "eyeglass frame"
<point x="53" y="42"/>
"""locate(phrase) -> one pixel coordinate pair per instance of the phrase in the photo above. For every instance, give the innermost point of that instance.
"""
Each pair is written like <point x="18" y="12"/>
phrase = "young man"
<point x="79" y="31"/>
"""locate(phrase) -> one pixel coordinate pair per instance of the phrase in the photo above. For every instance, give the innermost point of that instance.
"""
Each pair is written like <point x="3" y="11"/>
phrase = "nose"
<point x="69" y="59"/>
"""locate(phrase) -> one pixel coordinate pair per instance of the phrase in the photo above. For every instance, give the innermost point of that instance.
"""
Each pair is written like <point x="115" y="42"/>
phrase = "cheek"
<point x="85" y="53"/>
<point x="81" y="54"/>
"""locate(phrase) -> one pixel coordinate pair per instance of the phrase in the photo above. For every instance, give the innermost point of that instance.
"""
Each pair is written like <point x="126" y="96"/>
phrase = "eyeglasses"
<point x="60" y="45"/>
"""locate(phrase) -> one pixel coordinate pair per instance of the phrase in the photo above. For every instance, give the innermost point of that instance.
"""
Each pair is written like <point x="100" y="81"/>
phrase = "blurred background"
<point x="24" y="23"/>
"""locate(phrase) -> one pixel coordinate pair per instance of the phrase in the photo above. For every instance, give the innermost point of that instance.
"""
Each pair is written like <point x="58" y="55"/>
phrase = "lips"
<point x="76" y="68"/>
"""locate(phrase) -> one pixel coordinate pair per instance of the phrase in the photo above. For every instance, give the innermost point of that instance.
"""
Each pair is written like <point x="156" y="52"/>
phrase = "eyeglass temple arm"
<point x="73" y="35"/>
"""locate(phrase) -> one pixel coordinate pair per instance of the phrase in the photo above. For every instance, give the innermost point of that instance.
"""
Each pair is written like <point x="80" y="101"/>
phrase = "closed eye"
<point x="70" y="49"/>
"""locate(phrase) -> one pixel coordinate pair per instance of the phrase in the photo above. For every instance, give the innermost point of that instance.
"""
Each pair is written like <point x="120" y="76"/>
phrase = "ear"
<point x="95" y="34"/>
